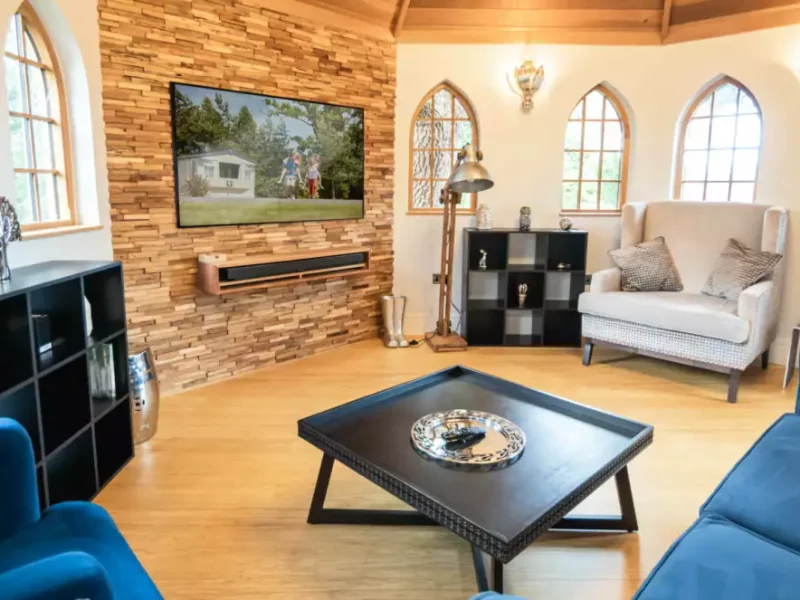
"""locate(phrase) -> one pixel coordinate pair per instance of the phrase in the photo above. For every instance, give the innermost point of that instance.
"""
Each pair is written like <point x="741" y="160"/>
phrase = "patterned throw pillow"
<point x="737" y="268"/>
<point x="647" y="267"/>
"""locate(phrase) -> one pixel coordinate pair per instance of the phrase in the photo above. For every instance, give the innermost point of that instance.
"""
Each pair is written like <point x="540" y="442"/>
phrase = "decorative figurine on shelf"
<point x="563" y="266"/>
<point x="482" y="261"/>
<point x="483" y="217"/>
<point x="525" y="218"/>
<point x="9" y="232"/>
<point x="523" y="293"/>
<point x="565" y="223"/>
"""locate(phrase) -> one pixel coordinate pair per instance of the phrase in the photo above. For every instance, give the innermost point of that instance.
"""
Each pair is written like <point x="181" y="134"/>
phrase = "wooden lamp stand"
<point x="468" y="177"/>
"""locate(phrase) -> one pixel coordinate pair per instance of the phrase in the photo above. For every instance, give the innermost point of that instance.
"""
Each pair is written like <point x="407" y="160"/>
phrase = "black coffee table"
<point x="571" y="450"/>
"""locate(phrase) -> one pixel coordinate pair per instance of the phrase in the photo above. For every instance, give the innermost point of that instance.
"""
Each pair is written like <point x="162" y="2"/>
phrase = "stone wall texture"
<point x="197" y="339"/>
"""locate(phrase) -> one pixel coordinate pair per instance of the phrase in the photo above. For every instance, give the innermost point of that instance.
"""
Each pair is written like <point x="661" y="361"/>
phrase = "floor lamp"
<point x="468" y="177"/>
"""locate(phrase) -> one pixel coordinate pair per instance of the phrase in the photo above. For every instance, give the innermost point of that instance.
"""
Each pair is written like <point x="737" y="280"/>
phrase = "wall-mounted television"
<point x="243" y="158"/>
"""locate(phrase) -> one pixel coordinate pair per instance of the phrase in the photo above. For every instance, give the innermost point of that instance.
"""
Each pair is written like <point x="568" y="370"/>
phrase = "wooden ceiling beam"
<point x="540" y="4"/>
<point x="530" y="35"/>
<point x="732" y="24"/>
<point x="400" y="19"/>
<point x="704" y="10"/>
<point x="666" y="18"/>
<point x="485" y="18"/>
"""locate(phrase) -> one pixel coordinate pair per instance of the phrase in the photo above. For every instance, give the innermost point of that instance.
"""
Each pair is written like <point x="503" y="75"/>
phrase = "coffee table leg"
<point x="318" y="514"/>
<point x="626" y="522"/>
<point x="480" y="572"/>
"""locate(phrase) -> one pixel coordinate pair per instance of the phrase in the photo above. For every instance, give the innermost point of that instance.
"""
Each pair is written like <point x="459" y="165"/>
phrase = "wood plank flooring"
<point x="215" y="505"/>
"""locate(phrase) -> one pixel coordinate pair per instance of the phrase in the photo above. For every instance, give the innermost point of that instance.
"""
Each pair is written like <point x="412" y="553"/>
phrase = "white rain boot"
<point x="387" y="304"/>
<point x="399" y="318"/>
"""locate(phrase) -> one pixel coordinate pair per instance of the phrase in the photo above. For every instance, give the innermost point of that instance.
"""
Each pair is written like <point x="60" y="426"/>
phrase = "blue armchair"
<point x="73" y="550"/>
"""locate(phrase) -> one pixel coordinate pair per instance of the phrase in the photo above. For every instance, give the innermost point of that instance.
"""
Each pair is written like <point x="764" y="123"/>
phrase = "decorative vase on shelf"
<point x="525" y="218"/>
<point x="483" y="217"/>
<point x="9" y="232"/>
<point x="565" y="223"/>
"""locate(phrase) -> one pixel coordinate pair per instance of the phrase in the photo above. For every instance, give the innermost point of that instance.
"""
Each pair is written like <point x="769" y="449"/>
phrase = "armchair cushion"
<point x="61" y="577"/>
<point x="696" y="314"/>
<point x="647" y="267"/>
<point x="19" y="498"/>
<point x="607" y="280"/>
<point x="81" y="527"/>
<point x="737" y="268"/>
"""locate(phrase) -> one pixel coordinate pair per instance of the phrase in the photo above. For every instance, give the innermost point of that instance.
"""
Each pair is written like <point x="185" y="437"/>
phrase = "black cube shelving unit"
<point x="80" y="442"/>
<point x="552" y="263"/>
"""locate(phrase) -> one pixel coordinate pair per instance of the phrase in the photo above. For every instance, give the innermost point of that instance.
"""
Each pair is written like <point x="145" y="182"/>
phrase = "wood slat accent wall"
<point x="239" y="45"/>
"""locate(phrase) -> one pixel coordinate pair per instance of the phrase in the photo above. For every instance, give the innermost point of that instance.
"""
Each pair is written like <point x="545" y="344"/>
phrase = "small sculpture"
<point x="463" y="437"/>
<point x="483" y="217"/>
<point x="565" y="223"/>
<point x="482" y="261"/>
<point x="563" y="266"/>
<point x="525" y="218"/>
<point x="9" y="232"/>
<point x="523" y="293"/>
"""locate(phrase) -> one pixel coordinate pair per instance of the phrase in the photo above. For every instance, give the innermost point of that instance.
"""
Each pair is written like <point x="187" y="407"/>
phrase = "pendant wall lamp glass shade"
<point x="470" y="176"/>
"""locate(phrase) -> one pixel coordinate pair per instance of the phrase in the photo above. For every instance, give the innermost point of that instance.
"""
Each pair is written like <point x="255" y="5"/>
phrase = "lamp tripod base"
<point x="447" y="343"/>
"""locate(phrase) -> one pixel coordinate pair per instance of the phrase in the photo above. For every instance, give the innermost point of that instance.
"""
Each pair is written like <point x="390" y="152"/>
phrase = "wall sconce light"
<point x="526" y="81"/>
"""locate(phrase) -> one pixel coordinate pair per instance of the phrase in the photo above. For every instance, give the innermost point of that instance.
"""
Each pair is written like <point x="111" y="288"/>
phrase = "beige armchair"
<point x="689" y="327"/>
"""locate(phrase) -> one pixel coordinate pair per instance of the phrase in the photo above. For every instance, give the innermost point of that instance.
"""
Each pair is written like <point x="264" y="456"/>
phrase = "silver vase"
<point x="387" y="305"/>
<point x="5" y="270"/>
<point x="145" y="395"/>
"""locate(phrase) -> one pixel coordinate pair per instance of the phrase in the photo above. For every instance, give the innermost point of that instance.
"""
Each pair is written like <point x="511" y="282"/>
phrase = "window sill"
<point x="439" y="212"/>
<point x="56" y="231"/>
<point x="590" y="213"/>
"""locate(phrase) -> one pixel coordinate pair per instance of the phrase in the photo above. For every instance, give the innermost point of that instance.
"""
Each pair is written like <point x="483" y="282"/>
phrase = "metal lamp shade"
<point x="470" y="176"/>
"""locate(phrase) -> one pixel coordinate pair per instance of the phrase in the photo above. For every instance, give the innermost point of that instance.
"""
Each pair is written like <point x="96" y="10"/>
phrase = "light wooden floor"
<point x="215" y="505"/>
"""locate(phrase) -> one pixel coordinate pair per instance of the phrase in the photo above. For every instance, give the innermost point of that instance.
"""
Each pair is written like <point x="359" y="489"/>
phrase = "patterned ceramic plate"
<point x="502" y="445"/>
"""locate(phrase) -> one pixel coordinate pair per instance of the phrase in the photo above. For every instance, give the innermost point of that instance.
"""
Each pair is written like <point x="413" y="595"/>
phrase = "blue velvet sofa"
<point x="746" y="543"/>
<point x="73" y="550"/>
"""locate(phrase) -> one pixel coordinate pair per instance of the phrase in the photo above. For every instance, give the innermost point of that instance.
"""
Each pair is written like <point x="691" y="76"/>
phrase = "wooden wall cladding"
<point x="197" y="339"/>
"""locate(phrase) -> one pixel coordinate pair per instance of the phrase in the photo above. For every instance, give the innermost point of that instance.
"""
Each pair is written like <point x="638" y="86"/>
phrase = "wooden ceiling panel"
<point x="646" y="22"/>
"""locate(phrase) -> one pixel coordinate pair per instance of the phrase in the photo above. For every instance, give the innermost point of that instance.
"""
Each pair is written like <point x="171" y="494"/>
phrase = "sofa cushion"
<point x="737" y="268"/>
<point x="762" y="492"/>
<point x="647" y="267"/>
<point x="697" y="314"/>
<point x="719" y="560"/>
<point x="83" y="527"/>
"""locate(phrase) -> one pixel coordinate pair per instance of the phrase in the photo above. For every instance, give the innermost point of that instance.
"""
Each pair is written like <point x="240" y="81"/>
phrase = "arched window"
<point x="40" y="154"/>
<point x="596" y="154"/>
<point x="444" y="123"/>
<point x="719" y="145"/>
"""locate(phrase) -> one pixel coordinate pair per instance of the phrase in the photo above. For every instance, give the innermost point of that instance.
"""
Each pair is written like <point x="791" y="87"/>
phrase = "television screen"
<point x="244" y="158"/>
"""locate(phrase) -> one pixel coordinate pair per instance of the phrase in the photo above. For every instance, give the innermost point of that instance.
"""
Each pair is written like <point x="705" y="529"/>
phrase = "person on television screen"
<point x="291" y="168"/>
<point x="313" y="179"/>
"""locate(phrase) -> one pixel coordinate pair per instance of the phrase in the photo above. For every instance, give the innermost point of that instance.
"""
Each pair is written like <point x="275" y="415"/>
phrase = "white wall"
<point x="73" y="29"/>
<point x="523" y="152"/>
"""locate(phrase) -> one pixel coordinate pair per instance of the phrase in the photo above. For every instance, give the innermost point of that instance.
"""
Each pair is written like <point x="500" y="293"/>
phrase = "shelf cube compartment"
<point x="485" y="327"/>
<point x="524" y="328"/>
<point x="64" y="401"/>
<point x="535" y="295"/>
<point x="563" y="328"/>
<point x="527" y="252"/>
<point x="21" y="406"/>
<point x="487" y="290"/>
<point x="15" y="351"/>
<point x="496" y="247"/>
<point x="104" y="292"/>
<point x="114" y="444"/>
<point x="102" y="402"/>
<point x="567" y="249"/>
<point x="60" y="308"/>
<point x="70" y="471"/>
<point x="563" y="289"/>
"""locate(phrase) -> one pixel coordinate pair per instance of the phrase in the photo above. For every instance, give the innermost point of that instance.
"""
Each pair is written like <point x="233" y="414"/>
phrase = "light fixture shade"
<point x="471" y="176"/>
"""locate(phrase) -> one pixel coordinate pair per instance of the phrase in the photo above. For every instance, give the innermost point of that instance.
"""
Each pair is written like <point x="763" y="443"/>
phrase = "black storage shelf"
<point x="80" y="442"/>
<point x="552" y="263"/>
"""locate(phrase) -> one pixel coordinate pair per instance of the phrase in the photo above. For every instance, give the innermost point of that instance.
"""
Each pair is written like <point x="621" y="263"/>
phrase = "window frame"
<point x="31" y="23"/>
<point x="688" y="115"/>
<point x="438" y="210"/>
<point x="624" y="121"/>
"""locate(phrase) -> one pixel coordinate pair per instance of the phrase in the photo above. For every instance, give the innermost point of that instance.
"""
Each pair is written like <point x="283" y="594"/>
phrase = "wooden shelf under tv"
<point x="221" y="276"/>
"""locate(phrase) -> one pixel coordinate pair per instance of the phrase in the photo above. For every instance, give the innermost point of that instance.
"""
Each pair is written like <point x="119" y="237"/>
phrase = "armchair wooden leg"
<point x="587" y="353"/>
<point x="733" y="385"/>
<point x="765" y="359"/>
